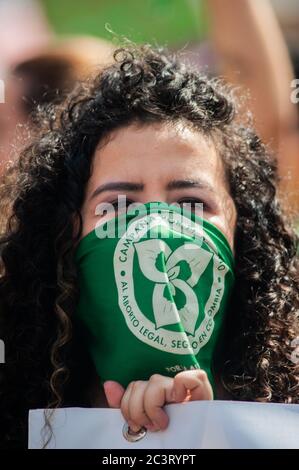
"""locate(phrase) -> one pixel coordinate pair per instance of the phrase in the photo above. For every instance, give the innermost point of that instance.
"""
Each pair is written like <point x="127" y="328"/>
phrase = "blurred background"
<point x="26" y="24"/>
<point x="46" y="46"/>
<point x="171" y="22"/>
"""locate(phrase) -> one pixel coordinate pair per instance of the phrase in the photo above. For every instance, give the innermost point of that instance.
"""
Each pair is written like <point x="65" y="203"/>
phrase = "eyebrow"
<point x="117" y="186"/>
<point x="189" y="183"/>
<point x="171" y="186"/>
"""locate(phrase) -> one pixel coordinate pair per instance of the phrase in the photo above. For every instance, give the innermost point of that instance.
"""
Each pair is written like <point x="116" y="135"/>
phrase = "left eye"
<point x="193" y="204"/>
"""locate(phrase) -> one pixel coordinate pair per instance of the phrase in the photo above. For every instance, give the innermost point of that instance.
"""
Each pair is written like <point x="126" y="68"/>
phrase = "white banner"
<point x="193" y="425"/>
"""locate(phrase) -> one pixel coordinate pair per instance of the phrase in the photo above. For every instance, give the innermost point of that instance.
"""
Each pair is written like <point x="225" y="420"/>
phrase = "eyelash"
<point x="193" y="201"/>
<point x="128" y="202"/>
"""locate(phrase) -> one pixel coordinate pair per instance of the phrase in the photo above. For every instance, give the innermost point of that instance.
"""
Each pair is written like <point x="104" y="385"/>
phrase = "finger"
<point x="114" y="393"/>
<point x="137" y="414"/>
<point x="157" y="394"/>
<point x="194" y="381"/>
<point x="124" y="406"/>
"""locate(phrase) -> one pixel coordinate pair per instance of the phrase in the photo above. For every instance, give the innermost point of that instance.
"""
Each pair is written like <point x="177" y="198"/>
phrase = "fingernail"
<point x="173" y="396"/>
<point x="107" y="385"/>
<point x="157" y="426"/>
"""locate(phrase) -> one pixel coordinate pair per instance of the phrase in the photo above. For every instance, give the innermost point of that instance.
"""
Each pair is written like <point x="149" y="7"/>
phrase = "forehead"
<point x="162" y="149"/>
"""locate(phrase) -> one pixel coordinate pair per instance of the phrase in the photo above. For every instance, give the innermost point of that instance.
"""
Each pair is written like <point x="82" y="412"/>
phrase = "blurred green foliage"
<point x="165" y="22"/>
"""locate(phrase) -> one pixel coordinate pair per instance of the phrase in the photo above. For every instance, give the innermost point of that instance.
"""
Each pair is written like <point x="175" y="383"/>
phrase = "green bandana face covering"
<point x="153" y="297"/>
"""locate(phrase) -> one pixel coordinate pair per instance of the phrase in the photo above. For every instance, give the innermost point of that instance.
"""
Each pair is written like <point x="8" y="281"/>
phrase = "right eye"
<point x="115" y="203"/>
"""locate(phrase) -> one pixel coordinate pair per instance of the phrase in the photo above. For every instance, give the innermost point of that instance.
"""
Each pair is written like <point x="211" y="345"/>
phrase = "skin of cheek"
<point x="226" y="225"/>
<point x="226" y="216"/>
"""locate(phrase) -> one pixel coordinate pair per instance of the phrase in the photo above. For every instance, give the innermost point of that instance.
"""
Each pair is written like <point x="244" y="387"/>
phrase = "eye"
<point x="115" y="203"/>
<point x="114" y="208"/>
<point x="193" y="204"/>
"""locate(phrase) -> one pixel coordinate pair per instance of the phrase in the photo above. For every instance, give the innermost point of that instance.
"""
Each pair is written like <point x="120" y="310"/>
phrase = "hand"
<point x="142" y="402"/>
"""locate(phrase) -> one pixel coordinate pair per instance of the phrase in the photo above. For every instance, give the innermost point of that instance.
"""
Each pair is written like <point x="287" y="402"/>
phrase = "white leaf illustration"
<point x="165" y="311"/>
<point x="148" y="252"/>
<point x="189" y="312"/>
<point x="197" y="258"/>
<point x="173" y="272"/>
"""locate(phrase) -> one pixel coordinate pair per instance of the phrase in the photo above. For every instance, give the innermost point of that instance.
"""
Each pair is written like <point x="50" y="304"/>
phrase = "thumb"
<point x="114" y="393"/>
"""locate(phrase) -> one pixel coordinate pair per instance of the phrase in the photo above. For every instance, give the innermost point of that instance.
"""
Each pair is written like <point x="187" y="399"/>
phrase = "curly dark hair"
<point x="46" y="364"/>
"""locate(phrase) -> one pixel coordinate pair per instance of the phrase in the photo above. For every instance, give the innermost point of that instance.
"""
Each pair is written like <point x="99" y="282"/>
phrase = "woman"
<point x="153" y="130"/>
